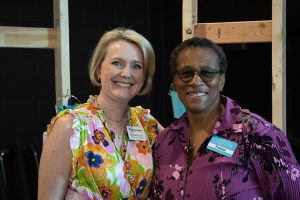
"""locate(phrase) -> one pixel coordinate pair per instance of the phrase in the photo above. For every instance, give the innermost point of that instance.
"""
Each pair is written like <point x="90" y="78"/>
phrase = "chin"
<point x="126" y="97"/>
<point x="196" y="108"/>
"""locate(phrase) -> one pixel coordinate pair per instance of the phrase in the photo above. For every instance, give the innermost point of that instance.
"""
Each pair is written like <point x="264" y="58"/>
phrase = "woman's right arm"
<point x="56" y="161"/>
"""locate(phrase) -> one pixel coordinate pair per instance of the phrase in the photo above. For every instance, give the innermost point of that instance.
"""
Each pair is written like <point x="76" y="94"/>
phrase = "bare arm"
<point x="56" y="161"/>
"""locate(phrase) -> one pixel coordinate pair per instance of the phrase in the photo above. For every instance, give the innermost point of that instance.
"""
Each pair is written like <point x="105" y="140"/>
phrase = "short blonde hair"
<point x="131" y="36"/>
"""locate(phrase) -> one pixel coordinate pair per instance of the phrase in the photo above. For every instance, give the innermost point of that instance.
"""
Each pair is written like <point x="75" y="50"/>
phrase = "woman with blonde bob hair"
<point x="103" y="149"/>
<point x="129" y="36"/>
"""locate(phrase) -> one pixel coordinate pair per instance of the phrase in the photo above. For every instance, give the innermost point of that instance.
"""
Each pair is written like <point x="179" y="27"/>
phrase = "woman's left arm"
<point x="276" y="166"/>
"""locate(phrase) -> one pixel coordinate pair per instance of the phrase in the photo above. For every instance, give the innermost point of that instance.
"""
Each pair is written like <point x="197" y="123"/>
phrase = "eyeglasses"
<point x="206" y="75"/>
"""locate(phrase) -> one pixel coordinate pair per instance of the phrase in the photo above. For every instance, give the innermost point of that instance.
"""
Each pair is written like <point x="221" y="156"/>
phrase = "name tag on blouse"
<point x="136" y="133"/>
<point x="222" y="146"/>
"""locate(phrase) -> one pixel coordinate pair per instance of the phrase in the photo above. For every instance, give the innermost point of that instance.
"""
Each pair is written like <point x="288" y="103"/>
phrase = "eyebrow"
<point x="202" y="66"/>
<point x="131" y="61"/>
<point x="186" y="67"/>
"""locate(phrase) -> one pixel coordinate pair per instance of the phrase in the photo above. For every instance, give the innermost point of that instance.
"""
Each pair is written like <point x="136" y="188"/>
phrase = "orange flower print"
<point x="143" y="121"/>
<point x="124" y="171"/>
<point x="152" y="128"/>
<point x="143" y="147"/>
<point x="92" y="109"/>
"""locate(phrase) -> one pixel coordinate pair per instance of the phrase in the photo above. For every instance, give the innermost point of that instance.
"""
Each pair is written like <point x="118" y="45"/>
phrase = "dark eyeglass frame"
<point x="205" y="74"/>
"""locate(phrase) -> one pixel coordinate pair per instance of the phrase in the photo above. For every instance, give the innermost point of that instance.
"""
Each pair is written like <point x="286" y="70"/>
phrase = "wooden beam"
<point x="27" y="37"/>
<point x="236" y="32"/>
<point x="279" y="63"/>
<point x="189" y="18"/>
<point x="62" y="52"/>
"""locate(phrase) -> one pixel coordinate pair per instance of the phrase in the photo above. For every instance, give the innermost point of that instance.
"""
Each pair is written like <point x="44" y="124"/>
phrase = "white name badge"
<point x="136" y="133"/>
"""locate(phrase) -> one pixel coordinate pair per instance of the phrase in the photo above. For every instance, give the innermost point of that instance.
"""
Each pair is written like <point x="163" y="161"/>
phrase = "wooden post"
<point x="279" y="63"/>
<point x="189" y="18"/>
<point x="62" y="52"/>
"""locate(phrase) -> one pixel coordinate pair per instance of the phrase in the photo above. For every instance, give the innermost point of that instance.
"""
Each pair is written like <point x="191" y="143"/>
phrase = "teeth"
<point x="123" y="84"/>
<point x="199" y="94"/>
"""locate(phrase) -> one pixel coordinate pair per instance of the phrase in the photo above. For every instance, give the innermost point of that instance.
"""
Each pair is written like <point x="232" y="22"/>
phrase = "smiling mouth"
<point x="122" y="84"/>
<point x="196" y="94"/>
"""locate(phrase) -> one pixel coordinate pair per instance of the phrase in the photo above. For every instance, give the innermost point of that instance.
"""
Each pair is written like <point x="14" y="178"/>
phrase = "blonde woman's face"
<point x="121" y="71"/>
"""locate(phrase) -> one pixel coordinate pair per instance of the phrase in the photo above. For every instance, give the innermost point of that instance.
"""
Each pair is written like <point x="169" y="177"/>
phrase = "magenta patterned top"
<point x="263" y="165"/>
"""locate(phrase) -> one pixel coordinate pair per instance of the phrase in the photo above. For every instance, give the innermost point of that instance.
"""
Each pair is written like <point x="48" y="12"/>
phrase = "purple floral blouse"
<point x="263" y="165"/>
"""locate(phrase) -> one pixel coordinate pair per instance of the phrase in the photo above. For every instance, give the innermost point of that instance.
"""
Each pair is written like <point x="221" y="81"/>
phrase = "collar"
<point x="232" y="115"/>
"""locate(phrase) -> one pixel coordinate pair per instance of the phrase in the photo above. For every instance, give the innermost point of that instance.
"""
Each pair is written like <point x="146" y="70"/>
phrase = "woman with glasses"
<point x="217" y="150"/>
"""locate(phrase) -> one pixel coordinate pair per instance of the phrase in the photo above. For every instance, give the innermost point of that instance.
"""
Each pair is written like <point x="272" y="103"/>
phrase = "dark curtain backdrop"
<point x="27" y="78"/>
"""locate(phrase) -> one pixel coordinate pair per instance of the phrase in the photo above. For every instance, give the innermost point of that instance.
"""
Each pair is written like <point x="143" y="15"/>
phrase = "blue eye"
<point x="116" y="63"/>
<point x="137" y="66"/>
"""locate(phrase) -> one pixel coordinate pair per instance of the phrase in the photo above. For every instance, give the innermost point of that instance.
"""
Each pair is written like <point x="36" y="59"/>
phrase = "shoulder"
<point x="163" y="135"/>
<point x="253" y="122"/>
<point x="243" y="120"/>
<point x="258" y="125"/>
<point x="86" y="109"/>
<point x="263" y="137"/>
<point x="140" y="110"/>
<point x="147" y="121"/>
<point x="174" y="129"/>
<point x="66" y="117"/>
<point x="143" y="115"/>
<point x="63" y="121"/>
<point x="60" y="132"/>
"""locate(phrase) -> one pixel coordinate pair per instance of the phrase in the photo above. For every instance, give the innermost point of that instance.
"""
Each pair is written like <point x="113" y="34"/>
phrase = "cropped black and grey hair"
<point x="197" y="42"/>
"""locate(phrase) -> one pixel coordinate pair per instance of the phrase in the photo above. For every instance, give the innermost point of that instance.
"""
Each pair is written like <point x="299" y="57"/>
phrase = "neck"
<point x="115" y="112"/>
<point x="204" y="122"/>
<point x="200" y="127"/>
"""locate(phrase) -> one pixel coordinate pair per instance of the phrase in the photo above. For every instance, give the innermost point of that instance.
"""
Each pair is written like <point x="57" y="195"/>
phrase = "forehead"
<point x="197" y="54"/>
<point x="123" y="47"/>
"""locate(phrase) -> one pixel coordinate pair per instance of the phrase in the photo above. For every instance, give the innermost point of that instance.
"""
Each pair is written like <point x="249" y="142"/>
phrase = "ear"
<point x="99" y="74"/>
<point x="222" y="82"/>
<point x="174" y="85"/>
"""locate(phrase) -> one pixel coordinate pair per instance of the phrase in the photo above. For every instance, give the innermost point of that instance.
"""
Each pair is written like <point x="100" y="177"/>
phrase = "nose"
<point x="196" y="80"/>
<point x="126" y="72"/>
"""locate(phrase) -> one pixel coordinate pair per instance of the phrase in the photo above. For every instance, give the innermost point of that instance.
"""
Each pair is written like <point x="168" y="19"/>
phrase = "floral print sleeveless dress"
<point x="100" y="169"/>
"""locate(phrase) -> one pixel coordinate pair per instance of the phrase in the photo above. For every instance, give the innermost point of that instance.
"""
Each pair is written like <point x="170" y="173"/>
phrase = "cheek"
<point x="139" y="76"/>
<point x="216" y="88"/>
<point x="180" y="88"/>
<point x="108" y="72"/>
<point x="177" y="84"/>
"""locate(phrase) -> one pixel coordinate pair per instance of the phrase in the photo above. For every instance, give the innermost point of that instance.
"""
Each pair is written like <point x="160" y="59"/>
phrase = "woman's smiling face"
<point x="121" y="72"/>
<point x="198" y="95"/>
